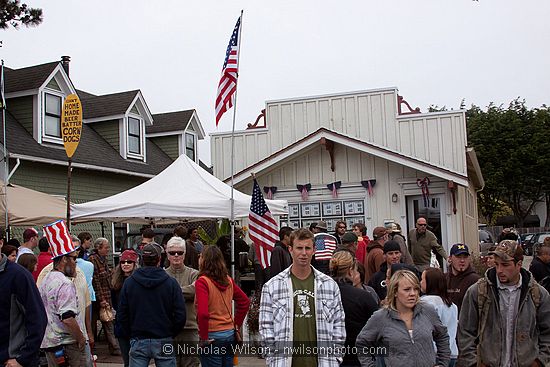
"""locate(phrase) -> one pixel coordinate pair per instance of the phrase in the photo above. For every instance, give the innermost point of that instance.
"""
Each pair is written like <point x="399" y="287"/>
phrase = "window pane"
<point x="53" y="104"/>
<point x="190" y="141"/>
<point x="133" y="145"/>
<point x="190" y="153"/>
<point x="52" y="126"/>
<point x="133" y="126"/>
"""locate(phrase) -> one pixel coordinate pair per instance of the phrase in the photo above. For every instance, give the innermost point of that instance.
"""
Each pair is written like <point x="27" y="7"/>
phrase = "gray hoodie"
<point x="385" y="329"/>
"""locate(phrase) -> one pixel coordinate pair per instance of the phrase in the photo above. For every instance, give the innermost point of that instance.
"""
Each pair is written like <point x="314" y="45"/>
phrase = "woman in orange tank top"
<point x="214" y="293"/>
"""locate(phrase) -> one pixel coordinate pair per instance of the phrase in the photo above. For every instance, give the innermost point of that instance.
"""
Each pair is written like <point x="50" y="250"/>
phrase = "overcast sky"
<point x="435" y="51"/>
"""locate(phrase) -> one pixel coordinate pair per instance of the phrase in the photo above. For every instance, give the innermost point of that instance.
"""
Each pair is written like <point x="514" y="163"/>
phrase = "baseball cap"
<point x="321" y="224"/>
<point x="459" y="249"/>
<point x="349" y="237"/>
<point x="379" y="232"/>
<point x="508" y="250"/>
<point x="130" y="255"/>
<point x="151" y="250"/>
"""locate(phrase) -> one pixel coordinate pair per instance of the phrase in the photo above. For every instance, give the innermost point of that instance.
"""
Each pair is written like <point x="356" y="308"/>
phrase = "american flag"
<point x="263" y="229"/>
<point x="230" y="71"/>
<point x="325" y="244"/>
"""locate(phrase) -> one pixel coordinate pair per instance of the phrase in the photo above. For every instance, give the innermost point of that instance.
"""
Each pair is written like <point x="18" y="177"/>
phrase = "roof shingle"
<point x="170" y="121"/>
<point x="31" y="77"/>
<point x="107" y="104"/>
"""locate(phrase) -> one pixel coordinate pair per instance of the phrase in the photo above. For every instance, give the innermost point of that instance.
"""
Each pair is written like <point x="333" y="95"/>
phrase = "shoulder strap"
<point x="227" y="308"/>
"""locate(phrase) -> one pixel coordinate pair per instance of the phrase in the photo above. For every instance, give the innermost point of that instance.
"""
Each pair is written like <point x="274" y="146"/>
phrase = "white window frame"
<point x="194" y="135"/>
<point x="45" y="137"/>
<point x="129" y="154"/>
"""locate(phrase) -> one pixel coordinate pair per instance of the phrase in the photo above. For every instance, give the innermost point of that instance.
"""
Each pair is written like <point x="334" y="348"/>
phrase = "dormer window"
<point x="190" y="146"/>
<point x="52" y="116"/>
<point x="134" y="136"/>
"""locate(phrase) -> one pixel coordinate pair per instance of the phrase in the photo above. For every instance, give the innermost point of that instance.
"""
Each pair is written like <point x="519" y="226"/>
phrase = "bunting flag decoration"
<point x="263" y="229"/>
<point x="423" y="184"/>
<point x="304" y="190"/>
<point x="269" y="191"/>
<point x="369" y="185"/>
<point x="333" y="187"/>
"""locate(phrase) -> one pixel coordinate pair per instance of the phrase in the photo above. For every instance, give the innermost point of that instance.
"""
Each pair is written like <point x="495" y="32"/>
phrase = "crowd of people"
<point x="328" y="299"/>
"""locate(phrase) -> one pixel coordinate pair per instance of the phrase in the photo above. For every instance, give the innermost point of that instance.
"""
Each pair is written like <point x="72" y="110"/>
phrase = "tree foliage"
<point x="512" y="145"/>
<point x="13" y="13"/>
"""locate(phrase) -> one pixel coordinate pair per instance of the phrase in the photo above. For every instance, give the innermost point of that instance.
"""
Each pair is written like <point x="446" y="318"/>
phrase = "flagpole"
<point x="232" y="221"/>
<point x="6" y="163"/>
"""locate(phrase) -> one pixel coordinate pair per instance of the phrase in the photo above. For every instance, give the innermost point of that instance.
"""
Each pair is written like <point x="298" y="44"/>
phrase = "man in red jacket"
<point x="44" y="258"/>
<point x="375" y="252"/>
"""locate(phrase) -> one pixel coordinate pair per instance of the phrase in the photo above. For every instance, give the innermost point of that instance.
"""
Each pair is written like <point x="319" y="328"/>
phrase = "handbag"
<point x="106" y="314"/>
<point x="238" y="337"/>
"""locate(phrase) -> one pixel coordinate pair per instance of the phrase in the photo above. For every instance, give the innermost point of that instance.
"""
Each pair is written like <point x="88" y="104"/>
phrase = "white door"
<point x="433" y="210"/>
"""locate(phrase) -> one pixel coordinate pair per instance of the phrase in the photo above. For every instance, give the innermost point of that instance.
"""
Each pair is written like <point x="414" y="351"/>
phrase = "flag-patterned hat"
<point x="59" y="238"/>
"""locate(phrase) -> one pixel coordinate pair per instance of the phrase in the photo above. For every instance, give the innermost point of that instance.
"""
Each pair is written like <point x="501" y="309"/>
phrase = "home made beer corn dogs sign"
<point x="71" y="123"/>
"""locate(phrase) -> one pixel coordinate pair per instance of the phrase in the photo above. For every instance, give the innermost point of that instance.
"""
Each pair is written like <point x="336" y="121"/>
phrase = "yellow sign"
<point x="71" y="123"/>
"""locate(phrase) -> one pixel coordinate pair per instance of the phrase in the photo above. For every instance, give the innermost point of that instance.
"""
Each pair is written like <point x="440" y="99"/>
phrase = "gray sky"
<point x="434" y="51"/>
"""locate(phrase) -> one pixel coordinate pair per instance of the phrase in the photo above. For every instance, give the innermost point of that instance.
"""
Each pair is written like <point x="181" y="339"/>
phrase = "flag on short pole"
<point x="227" y="86"/>
<point x="263" y="229"/>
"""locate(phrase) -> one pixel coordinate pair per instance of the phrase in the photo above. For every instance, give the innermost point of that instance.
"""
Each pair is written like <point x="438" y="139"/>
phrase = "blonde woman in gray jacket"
<point x="404" y="331"/>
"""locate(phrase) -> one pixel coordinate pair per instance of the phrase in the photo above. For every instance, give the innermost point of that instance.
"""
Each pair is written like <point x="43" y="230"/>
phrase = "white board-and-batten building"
<point x="350" y="139"/>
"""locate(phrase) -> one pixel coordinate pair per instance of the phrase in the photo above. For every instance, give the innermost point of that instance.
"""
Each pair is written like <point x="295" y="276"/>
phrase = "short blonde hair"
<point x="393" y="285"/>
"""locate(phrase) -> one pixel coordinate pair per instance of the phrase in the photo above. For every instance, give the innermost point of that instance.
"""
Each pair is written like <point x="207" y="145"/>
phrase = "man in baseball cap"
<point x="461" y="275"/>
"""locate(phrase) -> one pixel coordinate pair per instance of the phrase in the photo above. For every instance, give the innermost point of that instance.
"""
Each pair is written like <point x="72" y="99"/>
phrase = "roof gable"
<point x="338" y="138"/>
<point x="29" y="78"/>
<point x="170" y="121"/>
<point x="107" y="105"/>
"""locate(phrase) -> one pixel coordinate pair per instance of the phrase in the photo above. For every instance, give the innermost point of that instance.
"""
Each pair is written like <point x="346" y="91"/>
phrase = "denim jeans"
<point x="221" y="350"/>
<point x="452" y="362"/>
<point x="143" y="350"/>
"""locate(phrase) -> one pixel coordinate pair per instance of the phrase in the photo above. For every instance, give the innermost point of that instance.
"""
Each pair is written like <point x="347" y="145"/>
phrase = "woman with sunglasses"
<point x="186" y="277"/>
<point x="127" y="265"/>
<point x="404" y="330"/>
<point x="214" y="293"/>
<point x="358" y="304"/>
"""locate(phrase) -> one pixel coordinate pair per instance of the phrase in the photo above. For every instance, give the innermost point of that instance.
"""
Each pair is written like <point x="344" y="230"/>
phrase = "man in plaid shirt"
<point x="301" y="312"/>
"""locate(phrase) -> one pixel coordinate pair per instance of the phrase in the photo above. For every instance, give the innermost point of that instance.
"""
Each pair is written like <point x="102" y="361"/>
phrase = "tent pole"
<point x="6" y="162"/>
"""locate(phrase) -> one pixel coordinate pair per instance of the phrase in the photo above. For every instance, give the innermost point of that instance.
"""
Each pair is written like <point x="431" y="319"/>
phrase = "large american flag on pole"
<point x="230" y="71"/>
<point x="262" y="229"/>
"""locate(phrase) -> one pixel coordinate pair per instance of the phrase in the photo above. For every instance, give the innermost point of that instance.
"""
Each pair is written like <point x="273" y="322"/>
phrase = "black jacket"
<point x="359" y="306"/>
<point x="151" y="305"/>
<point x="378" y="281"/>
<point x="280" y="259"/>
<point x="539" y="269"/>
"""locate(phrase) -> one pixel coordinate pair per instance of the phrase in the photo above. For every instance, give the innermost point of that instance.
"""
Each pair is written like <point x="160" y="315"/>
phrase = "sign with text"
<point x="71" y="123"/>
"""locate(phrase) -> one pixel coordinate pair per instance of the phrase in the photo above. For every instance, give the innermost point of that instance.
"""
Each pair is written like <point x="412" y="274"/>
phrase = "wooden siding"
<point x="22" y="109"/>
<point x="52" y="84"/>
<point x="371" y="116"/>
<point x="109" y="130"/>
<point x="168" y="144"/>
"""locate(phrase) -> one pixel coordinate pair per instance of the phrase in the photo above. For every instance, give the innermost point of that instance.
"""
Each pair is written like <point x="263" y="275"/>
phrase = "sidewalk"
<point x="104" y="359"/>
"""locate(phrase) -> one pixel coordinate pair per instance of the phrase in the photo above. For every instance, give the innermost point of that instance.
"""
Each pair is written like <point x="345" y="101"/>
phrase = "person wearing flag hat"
<point x="461" y="275"/>
<point x="64" y="341"/>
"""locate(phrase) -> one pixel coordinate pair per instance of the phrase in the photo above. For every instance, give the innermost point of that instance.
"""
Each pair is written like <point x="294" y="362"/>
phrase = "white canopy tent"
<point x="182" y="191"/>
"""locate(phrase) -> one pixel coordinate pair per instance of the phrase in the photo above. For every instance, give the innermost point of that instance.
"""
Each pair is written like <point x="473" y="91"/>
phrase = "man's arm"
<point x="543" y="323"/>
<point x="267" y="331"/>
<point x="74" y="330"/>
<point x="35" y="317"/>
<point x="467" y="333"/>
<point x="438" y="248"/>
<point x="276" y="261"/>
<point x="189" y="290"/>
<point x="338" y="322"/>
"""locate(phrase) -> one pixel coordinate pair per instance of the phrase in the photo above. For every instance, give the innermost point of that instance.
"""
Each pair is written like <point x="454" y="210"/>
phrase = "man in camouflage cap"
<point x="505" y="316"/>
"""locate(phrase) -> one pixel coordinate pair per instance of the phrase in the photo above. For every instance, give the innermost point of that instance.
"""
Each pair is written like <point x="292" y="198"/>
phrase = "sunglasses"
<point x="174" y="253"/>
<point x="126" y="262"/>
<point x="421" y="224"/>
<point x="72" y="257"/>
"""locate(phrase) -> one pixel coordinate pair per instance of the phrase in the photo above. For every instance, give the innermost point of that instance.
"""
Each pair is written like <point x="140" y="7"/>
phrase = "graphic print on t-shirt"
<point x="305" y="299"/>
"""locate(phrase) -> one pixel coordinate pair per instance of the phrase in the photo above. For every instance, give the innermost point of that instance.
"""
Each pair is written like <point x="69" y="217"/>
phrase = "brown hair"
<point x="300" y="235"/>
<point x="118" y="277"/>
<point x="8" y="249"/>
<point x="436" y="285"/>
<point x="213" y="265"/>
<point x="28" y="261"/>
